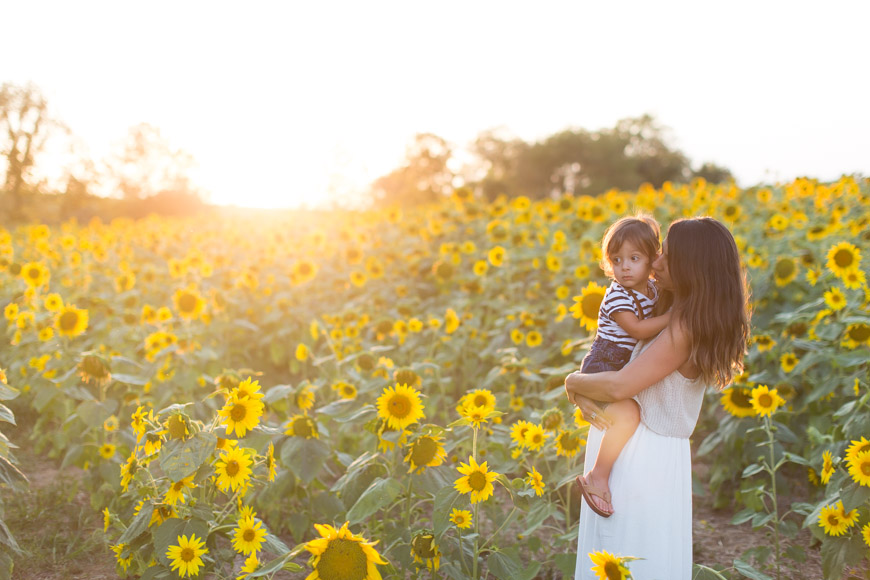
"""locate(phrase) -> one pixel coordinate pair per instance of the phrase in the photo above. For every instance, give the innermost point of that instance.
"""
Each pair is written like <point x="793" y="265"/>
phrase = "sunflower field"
<point x="362" y="395"/>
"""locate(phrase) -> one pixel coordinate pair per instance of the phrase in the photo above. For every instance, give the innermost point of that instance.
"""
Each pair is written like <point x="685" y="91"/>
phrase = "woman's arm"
<point x="641" y="329"/>
<point x="668" y="353"/>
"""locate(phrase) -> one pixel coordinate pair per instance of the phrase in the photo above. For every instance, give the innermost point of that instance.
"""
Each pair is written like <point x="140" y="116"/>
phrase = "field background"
<point x="326" y="310"/>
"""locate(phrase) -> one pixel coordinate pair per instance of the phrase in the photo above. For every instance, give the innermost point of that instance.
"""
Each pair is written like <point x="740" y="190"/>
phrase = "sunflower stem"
<point x="501" y="527"/>
<point x="474" y="444"/>
<point x="408" y="505"/>
<point x="476" y="530"/>
<point x="770" y="442"/>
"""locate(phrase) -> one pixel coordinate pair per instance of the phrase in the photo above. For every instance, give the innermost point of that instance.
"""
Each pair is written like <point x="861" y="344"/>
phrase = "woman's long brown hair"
<point x="711" y="297"/>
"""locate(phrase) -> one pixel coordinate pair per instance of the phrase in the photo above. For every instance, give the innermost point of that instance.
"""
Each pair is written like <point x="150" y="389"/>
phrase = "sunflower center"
<point x="612" y="571"/>
<point x="591" y="303"/>
<point x="33" y="273"/>
<point x="865" y="468"/>
<point x="570" y="443"/>
<point x="784" y="268"/>
<point x="249" y="535"/>
<point x="178" y="486"/>
<point x="400" y="406"/>
<point x="343" y="559"/>
<point x="424" y="451"/>
<point x="68" y="320"/>
<point x="233" y="468"/>
<point x="765" y="400"/>
<point x="859" y="332"/>
<point x="301" y="427"/>
<point x="187" y="554"/>
<point x="238" y="413"/>
<point x="424" y="546"/>
<point x="305" y="269"/>
<point x="477" y="481"/>
<point x="844" y="258"/>
<point x="187" y="303"/>
<point x="833" y="520"/>
<point x="480" y="401"/>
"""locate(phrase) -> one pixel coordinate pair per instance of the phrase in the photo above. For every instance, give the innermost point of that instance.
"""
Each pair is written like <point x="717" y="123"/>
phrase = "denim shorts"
<point x="604" y="356"/>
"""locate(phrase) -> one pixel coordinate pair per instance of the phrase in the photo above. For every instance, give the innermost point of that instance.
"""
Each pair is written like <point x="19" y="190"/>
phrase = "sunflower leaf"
<point x="380" y="494"/>
<point x="181" y="458"/>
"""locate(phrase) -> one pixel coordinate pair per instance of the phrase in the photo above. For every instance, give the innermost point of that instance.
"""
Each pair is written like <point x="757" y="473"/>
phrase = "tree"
<point x="714" y="173"/>
<point x="146" y="165"/>
<point x="424" y="176"/>
<point x="24" y="127"/>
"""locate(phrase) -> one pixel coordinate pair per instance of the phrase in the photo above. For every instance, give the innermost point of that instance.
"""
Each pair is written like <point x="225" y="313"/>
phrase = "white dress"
<point x="651" y="487"/>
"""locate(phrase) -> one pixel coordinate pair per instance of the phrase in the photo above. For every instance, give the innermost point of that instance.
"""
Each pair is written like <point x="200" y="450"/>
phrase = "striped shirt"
<point x="618" y="299"/>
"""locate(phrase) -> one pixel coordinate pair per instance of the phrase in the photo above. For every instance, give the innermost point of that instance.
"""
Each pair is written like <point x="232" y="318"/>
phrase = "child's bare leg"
<point x="626" y="418"/>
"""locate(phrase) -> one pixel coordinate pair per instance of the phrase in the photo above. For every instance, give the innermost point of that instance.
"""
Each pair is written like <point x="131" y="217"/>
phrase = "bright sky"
<point x="278" y="101"/>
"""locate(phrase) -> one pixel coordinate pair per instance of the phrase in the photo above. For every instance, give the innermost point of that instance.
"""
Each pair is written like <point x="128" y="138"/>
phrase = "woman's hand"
<point x="592" y="413"/>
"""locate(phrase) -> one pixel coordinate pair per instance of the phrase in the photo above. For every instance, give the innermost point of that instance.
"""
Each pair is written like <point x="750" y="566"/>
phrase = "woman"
<point x="704" y="345"/>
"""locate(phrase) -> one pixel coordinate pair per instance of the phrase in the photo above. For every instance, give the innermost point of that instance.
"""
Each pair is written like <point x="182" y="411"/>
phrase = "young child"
<point x="628" y="249"/>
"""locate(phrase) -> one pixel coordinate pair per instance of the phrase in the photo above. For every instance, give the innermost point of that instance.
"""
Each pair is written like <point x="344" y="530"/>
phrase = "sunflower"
<point x="764" y="342"/>
<point x="302" y="426"/>
<point x="71" y="321"/>
<point x="35" y="274"/>
<point x="407" y="377"/>
<point x="785" y="270"/>
<point x="477" y="480"/>
<point x="271" y="466"/>
<point x="10" y="312"/>
<point x="608" y="566"/>
<point x="123" y="561"/>
<point x="859" y="469"/>
<point x="425" y="451"/>
<point x="461" y="518"/>
<point x="856" y="448"/>
<point x="53" y="302"/>
<point x="856" y="334"/>
<point x="249" y="536"/>
<point x="568" y="443"/>
<point x="175" y="493"/>
<point x="302" y="352"/>
<point x="400" y="406"/>
<point x="233" y="469"/>
<point x="107" y="450"/>
<point x="552" y="419"/>
<point x="241" y="414"/>
<point x="535" y="437"/>
<point x="765" y="401"/>
<point x="536" y="480"/>
<point x="788" y="362"/>
<point x="833" y="520"/>
<point x="188" y="303"/>
<point x="518" y="433"/>
<point x="186" y="556"/>
<point x="248" y="388"/>
<point x="496" y="256"/>
<point x="477" y="398"/>
<point x="251" y="565"/>
<point x="865" y="533"/>
<point x="843" y="257"/>
<point x="534" y="338"/>
<point x="587" y="304"/>
<point x="304" y="271"/>
<point x="425" y="551"/>
<point x="451" y="321"/>
<point x="517" y="336"/>
<point x="835" y="299"/>
<point x="46" y="334"/>
<point x="854" y="279"/>
<point x="738" y="401"/>
<point x="827" y="467"/>
<point x="480" y="267"/>
<point x="94" y="368"/>
<point x="477" y="416"/>
<point x="339" y="554"/>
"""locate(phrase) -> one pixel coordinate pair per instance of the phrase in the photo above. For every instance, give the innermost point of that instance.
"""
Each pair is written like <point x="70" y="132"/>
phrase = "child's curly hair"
<point x="641" y="229"/>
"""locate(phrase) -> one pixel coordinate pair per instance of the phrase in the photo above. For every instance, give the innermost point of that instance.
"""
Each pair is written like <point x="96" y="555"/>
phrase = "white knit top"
<point x="671" y="406"/>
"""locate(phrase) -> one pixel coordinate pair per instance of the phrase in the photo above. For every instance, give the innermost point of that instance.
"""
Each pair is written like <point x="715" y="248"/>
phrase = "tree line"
<point x="148" y="175"/>
<point x="577" y="161"/>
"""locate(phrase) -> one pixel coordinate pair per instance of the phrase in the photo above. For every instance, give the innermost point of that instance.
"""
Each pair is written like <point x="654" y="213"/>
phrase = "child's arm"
<point x="641" y="329"/>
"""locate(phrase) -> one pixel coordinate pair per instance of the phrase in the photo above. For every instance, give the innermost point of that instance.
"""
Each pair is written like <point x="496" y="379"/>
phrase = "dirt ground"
<point x="67" y="543"/>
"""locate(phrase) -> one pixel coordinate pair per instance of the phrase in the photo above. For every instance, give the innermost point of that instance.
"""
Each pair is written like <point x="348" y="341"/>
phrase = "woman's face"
<point x="660" y="269"/>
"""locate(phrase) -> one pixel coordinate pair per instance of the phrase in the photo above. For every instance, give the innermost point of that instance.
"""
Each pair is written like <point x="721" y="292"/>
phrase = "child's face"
<point x="631" y="267"/>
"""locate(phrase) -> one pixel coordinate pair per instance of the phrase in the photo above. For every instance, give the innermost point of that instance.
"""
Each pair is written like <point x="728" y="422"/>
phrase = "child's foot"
<point x="597" y="494"/>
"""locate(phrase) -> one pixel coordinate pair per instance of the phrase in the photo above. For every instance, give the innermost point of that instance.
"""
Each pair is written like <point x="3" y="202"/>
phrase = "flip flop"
<point x="588" y="491"/>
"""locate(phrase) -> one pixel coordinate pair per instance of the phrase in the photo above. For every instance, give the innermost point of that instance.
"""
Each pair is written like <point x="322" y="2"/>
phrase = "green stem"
<point x="474" y="446"/>
<point x="408" y="507"/>
<point x="476" y="533"/>
<point x="770" y="442"/>
<point x="462" y="552"/>
<point x="501" y="527"/>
